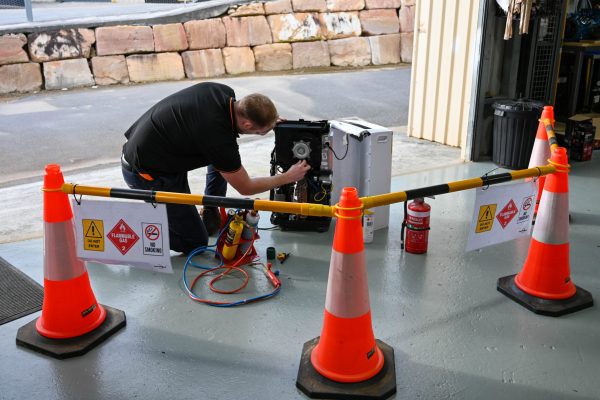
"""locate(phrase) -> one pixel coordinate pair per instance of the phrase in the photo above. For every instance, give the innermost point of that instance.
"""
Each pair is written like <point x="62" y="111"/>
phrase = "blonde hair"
<point x="259" y="109"/>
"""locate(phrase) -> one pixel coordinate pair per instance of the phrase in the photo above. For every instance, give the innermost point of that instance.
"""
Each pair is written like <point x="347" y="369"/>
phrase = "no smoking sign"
<point x="152" y="232"/>
<point x="153" y="244"/>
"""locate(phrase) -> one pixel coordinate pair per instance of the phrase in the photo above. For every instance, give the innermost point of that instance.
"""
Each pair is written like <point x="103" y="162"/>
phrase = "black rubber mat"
<point x="19" y="294"/>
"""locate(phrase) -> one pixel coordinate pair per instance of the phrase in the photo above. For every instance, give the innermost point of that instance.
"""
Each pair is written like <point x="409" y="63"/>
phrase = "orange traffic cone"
<point x="540" y="154"/>
<point x="72" y="322"/>
<point x="544" y="285"/>
<point x="346" y="361"/>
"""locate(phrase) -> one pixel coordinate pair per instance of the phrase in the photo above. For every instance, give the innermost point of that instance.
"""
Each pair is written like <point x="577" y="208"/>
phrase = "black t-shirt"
<point x="189" y="129"/>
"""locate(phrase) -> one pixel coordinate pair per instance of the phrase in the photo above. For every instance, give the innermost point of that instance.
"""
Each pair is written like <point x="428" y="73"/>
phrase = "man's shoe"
<point x="212" y="220"/>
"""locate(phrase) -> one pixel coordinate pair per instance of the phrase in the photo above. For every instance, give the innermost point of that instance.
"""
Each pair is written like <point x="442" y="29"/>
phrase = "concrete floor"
<point x="453" y="334"/>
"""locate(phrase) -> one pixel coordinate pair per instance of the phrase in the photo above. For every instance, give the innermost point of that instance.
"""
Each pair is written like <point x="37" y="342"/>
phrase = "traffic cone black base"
<point x="316" y="386"/>
<point x="28" y="336"/>
<point x="554" y="308"/>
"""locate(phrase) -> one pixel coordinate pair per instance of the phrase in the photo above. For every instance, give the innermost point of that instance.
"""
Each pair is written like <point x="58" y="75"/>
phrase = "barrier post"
<point x="72" y="321"/>
<point x="544" y="285"/>
<point x="346" y="361"/>
<point x="540" y="154"/>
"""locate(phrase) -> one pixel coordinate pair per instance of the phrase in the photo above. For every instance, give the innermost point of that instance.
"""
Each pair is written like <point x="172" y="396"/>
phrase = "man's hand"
<point x="247" y="186"/>
<point x="297" y="171"/>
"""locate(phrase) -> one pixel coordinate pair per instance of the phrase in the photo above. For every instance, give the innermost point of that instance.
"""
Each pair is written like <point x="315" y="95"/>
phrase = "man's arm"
<point x="247" y="186"/>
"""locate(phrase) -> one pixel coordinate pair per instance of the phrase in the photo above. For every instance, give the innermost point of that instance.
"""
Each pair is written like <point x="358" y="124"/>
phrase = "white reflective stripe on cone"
<point x="349" y="296"/>
<point x="60" y="255"/>
<point x="540" y="153"/>
<point x="552" y="223"/>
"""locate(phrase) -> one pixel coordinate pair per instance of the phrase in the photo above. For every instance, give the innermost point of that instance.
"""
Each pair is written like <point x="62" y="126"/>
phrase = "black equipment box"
<point x="296" y="141"/>
<point x="579" y="139"/>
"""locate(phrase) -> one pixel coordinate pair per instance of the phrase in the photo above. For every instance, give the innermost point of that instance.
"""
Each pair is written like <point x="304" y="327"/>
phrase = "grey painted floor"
<point x="453" y="334"/>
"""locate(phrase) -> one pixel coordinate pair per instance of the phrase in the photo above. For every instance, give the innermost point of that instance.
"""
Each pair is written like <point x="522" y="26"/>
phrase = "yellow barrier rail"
<point x="308" y="209"/>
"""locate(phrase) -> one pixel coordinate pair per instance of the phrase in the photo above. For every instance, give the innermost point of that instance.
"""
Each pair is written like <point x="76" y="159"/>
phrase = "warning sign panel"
<point x="485" y="221"/>
<point x="507" y="213"/>
<point x="123" y="233"/>
<point x="123" y="237"/>
<point x="152" y="239"/>
<point x="496" y="210"/>
<point x="93" y="234"/>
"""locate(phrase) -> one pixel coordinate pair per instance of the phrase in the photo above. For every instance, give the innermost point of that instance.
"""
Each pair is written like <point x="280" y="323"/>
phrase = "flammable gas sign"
<point x="502" y="213"/>
<point x="123" y="232"/>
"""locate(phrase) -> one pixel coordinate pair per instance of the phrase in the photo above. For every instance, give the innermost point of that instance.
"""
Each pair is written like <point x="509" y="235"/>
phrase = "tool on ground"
<point x="272" y="275"/>
<point x="282" y="257"/>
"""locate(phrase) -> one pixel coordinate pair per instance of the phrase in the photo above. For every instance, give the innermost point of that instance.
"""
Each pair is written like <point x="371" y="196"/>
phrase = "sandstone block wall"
<point x="279" y="35"/>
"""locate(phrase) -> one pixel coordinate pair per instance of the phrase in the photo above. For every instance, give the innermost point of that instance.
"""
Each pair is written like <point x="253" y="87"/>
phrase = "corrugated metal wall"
<point x="442" y="70"/>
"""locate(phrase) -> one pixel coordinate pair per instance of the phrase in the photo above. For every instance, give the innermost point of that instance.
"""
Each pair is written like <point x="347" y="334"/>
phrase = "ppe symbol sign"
<point x="123" y="237"/>
<point x="485" y="221"/>
<point x="93" y="234"/>
<point x="153" y="244"/>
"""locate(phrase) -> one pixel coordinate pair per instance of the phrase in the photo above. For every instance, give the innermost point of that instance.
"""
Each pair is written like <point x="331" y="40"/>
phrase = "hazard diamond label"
<point x="123" y="237"/>
<point x="507" y="213"/>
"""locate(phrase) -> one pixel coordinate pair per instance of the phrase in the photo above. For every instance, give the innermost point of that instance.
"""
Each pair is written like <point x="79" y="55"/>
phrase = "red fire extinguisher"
<point x="416" y="223"/>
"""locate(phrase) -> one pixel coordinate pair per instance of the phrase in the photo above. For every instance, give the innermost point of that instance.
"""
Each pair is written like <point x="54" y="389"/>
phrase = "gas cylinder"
<point x="417" y="226"/>
<point x="250" y="226"/>
<point x="234" y="232"/>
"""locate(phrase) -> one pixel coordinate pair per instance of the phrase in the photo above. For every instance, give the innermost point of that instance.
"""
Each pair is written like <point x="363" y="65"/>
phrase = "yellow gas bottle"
<point x="234" y="232"/>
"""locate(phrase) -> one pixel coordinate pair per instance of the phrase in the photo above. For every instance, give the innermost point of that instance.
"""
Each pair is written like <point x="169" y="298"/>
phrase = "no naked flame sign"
<point x="123" y="237"/>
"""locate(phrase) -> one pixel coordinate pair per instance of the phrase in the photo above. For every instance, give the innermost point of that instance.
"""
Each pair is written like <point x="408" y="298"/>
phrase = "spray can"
<point x="368" y="222"/>
<point x="249" y="229"/>
<point x="234" y="232"/>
